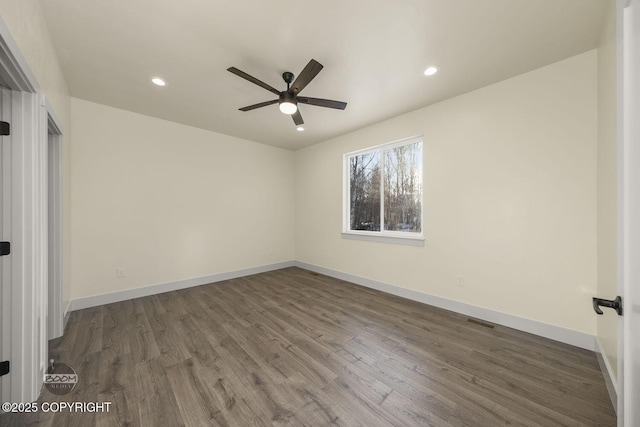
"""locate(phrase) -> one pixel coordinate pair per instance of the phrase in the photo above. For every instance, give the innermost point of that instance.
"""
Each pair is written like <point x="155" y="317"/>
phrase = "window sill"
<point x="384" y="238"/>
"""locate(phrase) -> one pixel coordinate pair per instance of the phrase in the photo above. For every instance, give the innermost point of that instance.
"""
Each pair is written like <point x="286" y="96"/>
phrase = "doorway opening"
<point x="54" y="229"/>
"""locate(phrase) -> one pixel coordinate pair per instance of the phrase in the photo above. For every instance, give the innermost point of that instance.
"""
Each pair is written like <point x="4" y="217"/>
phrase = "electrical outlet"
<point x="121" y="272"/>
<point x="460" y="281"/>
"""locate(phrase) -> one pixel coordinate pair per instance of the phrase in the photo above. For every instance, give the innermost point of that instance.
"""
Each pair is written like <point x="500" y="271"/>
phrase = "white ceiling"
<point x="374" y="53"/>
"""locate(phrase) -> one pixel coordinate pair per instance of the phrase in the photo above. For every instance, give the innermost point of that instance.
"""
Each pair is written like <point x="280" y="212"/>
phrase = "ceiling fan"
<point x="288" y="99"/>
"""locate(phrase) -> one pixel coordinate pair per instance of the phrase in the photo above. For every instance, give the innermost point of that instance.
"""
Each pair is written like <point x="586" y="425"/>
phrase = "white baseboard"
<point x="66" y="315"/>
<point x="607" y="372"/>
<point x="557" y="333"/>
<point x="96" y="300"/>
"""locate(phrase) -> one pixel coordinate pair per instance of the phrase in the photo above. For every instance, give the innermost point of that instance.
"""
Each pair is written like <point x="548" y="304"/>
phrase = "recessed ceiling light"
<point x="299" y="128"/>
<point x="158" y="81"/>
<point x="430" y="71"/>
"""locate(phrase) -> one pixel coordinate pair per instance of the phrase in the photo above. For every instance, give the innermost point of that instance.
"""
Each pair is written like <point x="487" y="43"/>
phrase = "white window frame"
<point x="385" y="236"/>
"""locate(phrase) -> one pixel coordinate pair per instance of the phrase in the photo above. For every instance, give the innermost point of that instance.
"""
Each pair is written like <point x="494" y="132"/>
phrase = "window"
<point x="383" y="191"/>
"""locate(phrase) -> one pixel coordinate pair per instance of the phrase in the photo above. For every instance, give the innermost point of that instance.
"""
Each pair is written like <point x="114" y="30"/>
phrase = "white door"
<point x="629" y="335"/>
<point x="5" y="235"/>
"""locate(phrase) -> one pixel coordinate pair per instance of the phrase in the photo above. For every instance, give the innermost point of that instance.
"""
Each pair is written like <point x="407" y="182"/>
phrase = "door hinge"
<point x="5" y="128"/>
<point x="5" y="248"/>
<point x="4" y="368"/>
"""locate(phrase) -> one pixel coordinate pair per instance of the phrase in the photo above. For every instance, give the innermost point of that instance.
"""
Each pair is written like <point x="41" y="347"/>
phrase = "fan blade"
<point x="329" y="103"/>
<point x="310" y="71"/>
<point x="252" y="79"/>
<point x="297" y="118"/>
<point x="262" y="104"/>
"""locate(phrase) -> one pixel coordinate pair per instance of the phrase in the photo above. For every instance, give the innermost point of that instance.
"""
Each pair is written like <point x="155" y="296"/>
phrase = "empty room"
<point x="295" y="213"/>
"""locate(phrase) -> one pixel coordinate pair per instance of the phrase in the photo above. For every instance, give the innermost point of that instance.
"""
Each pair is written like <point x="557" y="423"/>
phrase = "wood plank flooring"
<point x="294" y="348"/>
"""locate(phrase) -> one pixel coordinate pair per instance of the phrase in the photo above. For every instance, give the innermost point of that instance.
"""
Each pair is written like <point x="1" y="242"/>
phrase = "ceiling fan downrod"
<point x="288" y="78"/>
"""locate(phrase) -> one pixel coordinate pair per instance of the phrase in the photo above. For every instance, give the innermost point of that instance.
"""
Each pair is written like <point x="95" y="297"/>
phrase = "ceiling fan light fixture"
<point x="288" y="107"/>
<point x="288" y="103"/>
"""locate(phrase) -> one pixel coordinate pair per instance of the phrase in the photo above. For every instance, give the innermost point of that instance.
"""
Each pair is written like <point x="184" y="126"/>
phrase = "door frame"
<point x="628" y="143"/>
<point x="54" y="222"/>
<point x="27" y="318"/>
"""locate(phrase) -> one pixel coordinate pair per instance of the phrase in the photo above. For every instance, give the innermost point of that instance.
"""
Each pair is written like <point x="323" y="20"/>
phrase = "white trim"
<point x="607" y="372"/>
<point x="67" y="314"/>
<point x="373" y="236"/>
<point x="557" y="333"/>
<point x="96" y="300"/>
<point x="53" y="121"/>
<point x="386" y="145"/>
<point x="620" y="202"/>
<point x="629" y="200"/>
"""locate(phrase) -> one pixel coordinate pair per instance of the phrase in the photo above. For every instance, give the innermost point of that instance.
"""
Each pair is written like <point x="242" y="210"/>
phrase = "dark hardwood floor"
<point x="295" y="348"/>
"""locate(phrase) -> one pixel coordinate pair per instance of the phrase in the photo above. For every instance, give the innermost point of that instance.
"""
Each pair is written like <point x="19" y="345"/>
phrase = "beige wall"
<point x="509" y="198"/>
<point x="170" y="202"/>
<point x="607" y="189"/>
<point x="26" y="23"/>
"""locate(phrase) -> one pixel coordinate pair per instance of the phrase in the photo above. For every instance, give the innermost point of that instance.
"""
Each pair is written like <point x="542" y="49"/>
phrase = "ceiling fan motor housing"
<point x="288" y="97"/>
<point x="288" y="78"/>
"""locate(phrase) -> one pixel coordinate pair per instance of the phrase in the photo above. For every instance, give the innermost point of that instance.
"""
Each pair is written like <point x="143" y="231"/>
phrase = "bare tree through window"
<point x="365" y="192"/>
<point x="385" y="189"/>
